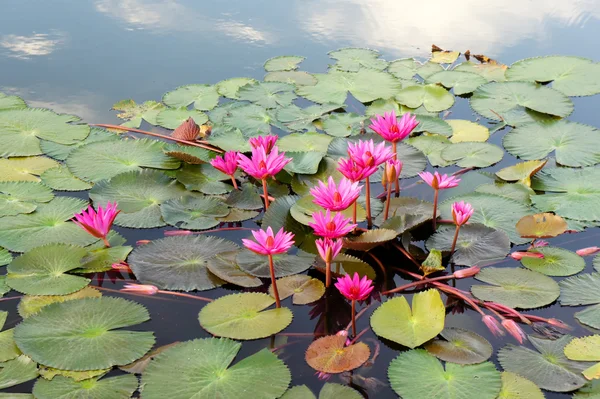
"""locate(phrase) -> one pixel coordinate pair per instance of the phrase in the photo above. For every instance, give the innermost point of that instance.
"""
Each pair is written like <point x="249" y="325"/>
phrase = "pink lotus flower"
<point x="266" y="142"/>
<point x="392" y="171"/>
<point x="521" y="254"/>
<point x="268" y="243"/>
<point x="367" y="154"/>
<point x="468" y="272"/>
<point x="227" y="163"/>
<point x="335" y="198"/>
<point x="558" y="323"/>
<point x="388" y="126"/>
<point x="145" y="289"/>
<point x="539" y="243"/>
<point x="492" y="325"/>
<point x="328" y="248"/>
<point x="439" y="182"/>
<point x="461" y="212"/>
<point x="331" y="227"/>
<point x="514" y="330"/>
<point x="587" y="251"/>
<point x="98" y="223"/>
<point x="353" y="171"/>
<point x="354" y="288"/>
<point x="262" y="165"/>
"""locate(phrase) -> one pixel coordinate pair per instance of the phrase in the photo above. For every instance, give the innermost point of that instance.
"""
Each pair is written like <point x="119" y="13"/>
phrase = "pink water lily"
<point x="367" y="153"/>
<point x="438" y="182"/>
<point x="518" y="255"/>
<point x="227" y="164"/>
<point x="335" y="197"/>
<point x="353" y="171"/>
<point x="328" y="226"/>
<point x="391" y="173"/>
<point x="266" y="142"/>
<point x="328" y="249"/>
<point x="514" y="330"/>
<point x="492" y="324"/>
<point x="392" y="130"/>
<point x="355" y="289"/>
<point x="587" y="251"/>
<point x="145" y="289"/>
<point x="461" y="212"/>
<point x="98" y="223"/>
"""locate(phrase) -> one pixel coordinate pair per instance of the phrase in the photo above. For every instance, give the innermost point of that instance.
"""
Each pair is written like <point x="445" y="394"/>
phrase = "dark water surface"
<point x="81" y="57"/>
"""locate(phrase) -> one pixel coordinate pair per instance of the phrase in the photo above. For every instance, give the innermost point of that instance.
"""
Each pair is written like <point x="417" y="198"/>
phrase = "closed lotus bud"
<point x="587" y="251"/>
<point x="187" y="131"/>
<point x="142" y="242"/>
<point x="520" y="255"/>
<point x="468" y="272"/>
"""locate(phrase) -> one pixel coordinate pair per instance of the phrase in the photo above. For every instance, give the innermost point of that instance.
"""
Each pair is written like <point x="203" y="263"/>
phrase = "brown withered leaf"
<point x="484" y="59"/>
<point x="205" y="131"/>
<point x="468" y="55"/>
<point x="441" y="56"/>
<point x="329" y="355"/>
<point x="188" y="130"/>
<point x="541" y="225"/>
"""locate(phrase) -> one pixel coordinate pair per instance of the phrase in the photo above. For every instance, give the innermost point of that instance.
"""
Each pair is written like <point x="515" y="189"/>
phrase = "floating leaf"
<point x="522" y="171"/>
<point x="343" y="124"/>
<point x="229" y="87"/>
<point x="101" y="259"/>
<point x="514" y="191"/>
<point x="573" y="76"/>
<point x="200" y="368"/>
<point x="24" y="168"/>
<point x="140" y="365"/>
<point x="17" y="371"/>
<point x="346" y="264"/>
<point x="460" y="346"/>
<point x="330" y="354"/>
<point x="194" y="213"/>
<point x="5" y="257"/>
<point x="433" y="124"/>
<point x="134" y="113"/>
<point x="549" y="368"/>
<point x="225" y="267"/>
<point x="416" y="374"/>
<point x="32" y="304"/>
<point x="369" y="239"/>
<point x="243" y="316"/>
<point x="516" y="387"/>
<point x="303" y="209"/>
<point x="473" y="155"/>
<point x="580" y="290"/>
<point x="252" y="120"/>
<point x="407" y="68"/>
<point x="258" y="265"/>
<point x="394" y="319"/>
<point x="476" y="245"/>
<point x="189" y="154"/>
<point x="62" y="151"/>
<point x="491" y="72"/>
<point x="11" y="102"/>
<point x="179" y="262"/>
<point x="22" y="197"/>
<point x="515" y="287"/>
<point x="119" y="387"/>
<point x="406" y="213"/>
<point x="283" y="63"/>
<point x="296" y="118"/>
<point x="48" y="373"/>
<point x="268" y="94"/>
<point x="78" y="335"/>
<point x="103" y="160"/>
<point x="541" y="225"/>
<point x="22" y="129"/>
<point x="304" y="289"/>
<point x="461" y="82"/>
<point x="48" y="224"/>
<point x="463" y="130"/>
<point x="556" y="262"/>
<point x="172" y="118"/>
<point x="203" y="178"/>
<point x="433" y="97"/>
<point x="329" y="391"/>
<point x="586" y="349"/>
<point x="355" y="59"/>
<point x="433" y="263"/>
<point x="204" y="97"/>
<point x="8" y="348"/>
<point x="590" y="316"/>
<point x="298" y="78"/>
<point x="61" y="179"/>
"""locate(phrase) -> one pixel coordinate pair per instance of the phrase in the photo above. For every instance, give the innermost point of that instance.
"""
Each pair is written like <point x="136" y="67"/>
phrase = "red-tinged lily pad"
<point x="541" y="225"/>
<point x="331" y="355"/>
<point x="303" y="289"/>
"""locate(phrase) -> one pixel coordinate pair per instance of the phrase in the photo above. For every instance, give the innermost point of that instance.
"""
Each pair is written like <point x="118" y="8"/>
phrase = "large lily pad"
<point x="296" y="118"/>
<point x="522" y="171"/>
<point x="406" y="213"/>
<point x="461" y="82"/>
<point x="355" y="59"/>
<point x="343" y="124"/>
<point x="62" y="151"/>
<point x="225" y="267"/>
<point x="179" y="262"/>
<point x="32" y="304"/>
<point x="490" y="71"/>
<point x="407" y="68"/>
<point x="460" y="346"/>
<point x="268" y="94"/>
<point x="541" y="225"/>
<point x="516" y="387"/>
<point x="303" y="289"/>
<point x="11" y="102"/>
<point x="171" y="118"/>
<point x="433" y="97"/>
<point x="515" y="287"/>
<point x="432" y="146"/>
<point x="556" y="262"/>
<point x="17" y="371"/>
<point x="583" y="290"/>
<point x="229" y="87"/>
<point x="416" y="375"/>
<point x="85" y="334"/>
<point x="330" y="354"/>
<point x="134" y="113"/>
<point x="204" y="97"/>
<point x="472" y="154"/>
<point x="283" y="63"/>
<point x="22" y="197"/>
<point x="61" y="179"/>
<point x="194" y="213"/>
<point x="549" y="368"/>
<point x="201" y="369"/>
<point x="119" y="387"/>
<point x="24" y="168"/>
<point x="252" y="120"/>
<point x="298" y="78"/>
<point x="396" y="321"/>
<point x="465" y="131"/>
<point x="243" y="316"/>
<point x="329" y="391"/>
<point x="258" y="265"/>
<point x="22" y="129"/>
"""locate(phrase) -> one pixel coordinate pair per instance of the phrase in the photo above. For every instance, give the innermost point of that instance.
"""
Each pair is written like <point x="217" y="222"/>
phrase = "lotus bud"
<point x="469" y="272"/>
<point x="520" y="255"/>
<point x="514" y="330"/>
<point x="558" y="323"/>
<point x="587" y="251"/>
<point x="178" y="233"/>
<point x="493" y="325"/>
<point x="187" y="131"/>
<point x="142" y="242"/>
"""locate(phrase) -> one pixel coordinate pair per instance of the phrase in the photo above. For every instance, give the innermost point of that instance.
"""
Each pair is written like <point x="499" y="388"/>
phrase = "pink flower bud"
<point x="557" y="323"/>
<point x="142" y="242"/>
<point x="469" y="272"/>
<point x="514" y="330"/>
<point x="492" y="325"/>
<point x="521" y="254"/>
<point x="587" y="251"/>
<point x="145" y="289"/>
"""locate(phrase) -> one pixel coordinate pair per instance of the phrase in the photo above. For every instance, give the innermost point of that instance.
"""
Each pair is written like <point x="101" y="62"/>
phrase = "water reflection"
<point x="35" y="45"/>
<point x="409" y="28"/>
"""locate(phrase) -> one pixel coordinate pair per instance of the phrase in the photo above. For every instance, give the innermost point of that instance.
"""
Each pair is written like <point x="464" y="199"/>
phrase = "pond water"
<point x="82" y="57"/>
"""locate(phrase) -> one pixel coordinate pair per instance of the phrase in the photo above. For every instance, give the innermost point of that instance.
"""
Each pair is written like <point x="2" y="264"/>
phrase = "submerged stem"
<point x="264" y="184"/>
<point x="454" y="239"/>
<point x="354" y="206"/>
<point x="274" y="282"/>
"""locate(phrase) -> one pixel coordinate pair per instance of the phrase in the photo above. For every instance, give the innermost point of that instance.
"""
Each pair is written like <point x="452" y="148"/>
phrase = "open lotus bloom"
<point x="328" y="226"/>
<point x="354" y="288"/>
<point x="328" y="248"/>
<point x="266" y="142"/>
<point x="353" y="171"/>
<point x="439" y="182"/>
<point x="262" y="164"/>
<point x="268" y="243"/>
<point x="367" y="154"/>
<point x="461" y="212"/>
<point x="228" y="163"/>
<point x="97" y="223"/>
<point x="388" y="126"/>
<point x="335" y="197"/>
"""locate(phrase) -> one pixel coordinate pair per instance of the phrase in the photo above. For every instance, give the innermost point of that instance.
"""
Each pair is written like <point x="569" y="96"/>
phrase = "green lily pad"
<point x="491" y="72"/>
<point x="229" y="87"/>
<point x="139" y="195"/>
<point x="203" y="178"/>
<point x="573" y="76"/>
<point x="243" y="316"/>
<point x="472" y="155"/>
<point x="329" y="391"/>
<point x="574" y="144"/>
<point x="343" y="124"/>
<point x="515" y="287"/>
<point x="106" y="159"/>
<point x="11" y="102"/>
<point x="298" y="78"/>
<point x="179" y="262"/>
<point x="5" y="257"/>
<point x="101" y="259"/>
<point x="407" y="68"/>
<point x="33" y="304"/>
<point x="48" y="373"/>
<point x="201" y="368"/>
<point x="509" y="100"/>
<point x="463" y="130"/>
<point x="516" y="387"/>
<point x="194" y="213"/>
<point x="590" y="316"/>
<point x="17" y="371"/>
<point x="134" y="113"/>
<point x="589" y="391"/>
<point x="303" y="209"/>
<point x="461" y="82"/>
<point x="252" y="120"/>
<point x="433" y="97"/>
<point x="432" y="146"/>
<point x="556" y="262"/>
<point x="355" y="59"/>
<point x="396" y="321"/>
<point x="245" y="198"/>
<point x="583" y="290"/>
<point x="283" y="63"/>
<point x="82" y="335"/>
<point x="61" y="179"/>
<point x="549" y="368"/>
<point x="22" y="197"/>
<point x="310" y="141"/>
<point x="433" y="124"/>
<point x="296" y="118"/>
<point x="62" y="151"/>
<point x="416" y="374"/>
<point x="513" y="191"/>
<point x="522" y="171"/>
<point x="8" y="348"/>
<point x="22" y="129"/>
<point x="584" y="348"/>
<point x="225" y="267"/>
<point x="189" y="154"/>
<point x="369" y="239"/>
<point x="476" y="245"/>
<point x="204" y="97"/>
<point x="119" y="387"/>
<point x="460" y="346"/>
<point x="268" y="94"/>
<point x="171" y="118"/>
<point x="48" y="224"/>
<point x="24" y="168"/>
<point x="347" y="264"/>
<point x="303" y="289"/>
<point x="258" y="265"/>
<point x="42" y="271"/>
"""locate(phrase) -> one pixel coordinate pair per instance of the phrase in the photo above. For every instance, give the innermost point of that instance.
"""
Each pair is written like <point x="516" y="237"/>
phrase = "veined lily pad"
<point x="404" y="207"/>
<point x="17" y="371"/>
<point x="204" y="97"/>
<point x="268" y="94"/>
<point x="243" y="316"/>
<point x="343" y="125"/>
<point x="583" y="290"/>
<point x="556" y="262"/>
<point x="119" y="387"/>
<point x="461" y="82"/>
<point x="245" y="198"/>
<point x="303" y="289"/>
<point x="433" y="124"/>
<point x="179" y="262"/>
<point x="22" y="197"/>
<point x="82" y="335"/>
<point x="516" y="387"/>
<point x="329" y="391"/>
<point x="194" y="213"/>
<point x="11" y="102"/>
<point x="201" y="368"/>
<point x="258" y="265"/>
<point x="134" y="113"/>
<point x="283" y="63"/>
<point x="407" y="68"/>
<point x="62" y="151"/>
<point x="396" y="321"/>
<point x="370" y="239"/>
<point x="296" y="118"/>
<point x="355" y="59"/>
<point x="24" y="168"/>
<point x="515" y="287"/>
<point x="252" y="120"/>
<point x="463" y="130"/>
<point x="521" y="172"/>
<point x="432" y="146"/>
<point x="5" y="257"/>
<point x="586" y="349"/>
<point x="460" y="346"/>
<point x="541" y="225"/>
<point x="330" y="354"/>
<point x="491" y="72"/>
<point x="310" y="141"/>
<point x="203" y="178"/>
<point x="433" y="97"/>
<point x="32" y="304"/>
<point x="416" y="374"/>
<point x="101" y="259"/>
<point x="61" y="179"/>
<point x="298" y="78"/>
<point x="229" y="87"/>
<point x="189" y="154"/>
<point x="514" y="191"/>
<point x="472" y="154"/>
<point x="171" y="118"/>
<point x="225" y="267"/>
<point x="347" y="264"/>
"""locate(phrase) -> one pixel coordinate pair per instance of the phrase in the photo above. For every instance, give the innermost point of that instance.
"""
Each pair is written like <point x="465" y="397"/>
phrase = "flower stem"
<point x="327" y="274"/>
<point x="354" y="206"/>
<point x="368" y="202"/>
<point x="397" y="182"/>
<point x="235" y="186"/>
<point x="435" y="202"/>
<point x="417" y="283"/>
<point x="454" y="239"/>
<point x="274" y="282"/>
<point x="387" y="201"/>
<point x="106" y="243"/>
<point x="264" y="184"/>
<point x="354" y="318"/>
